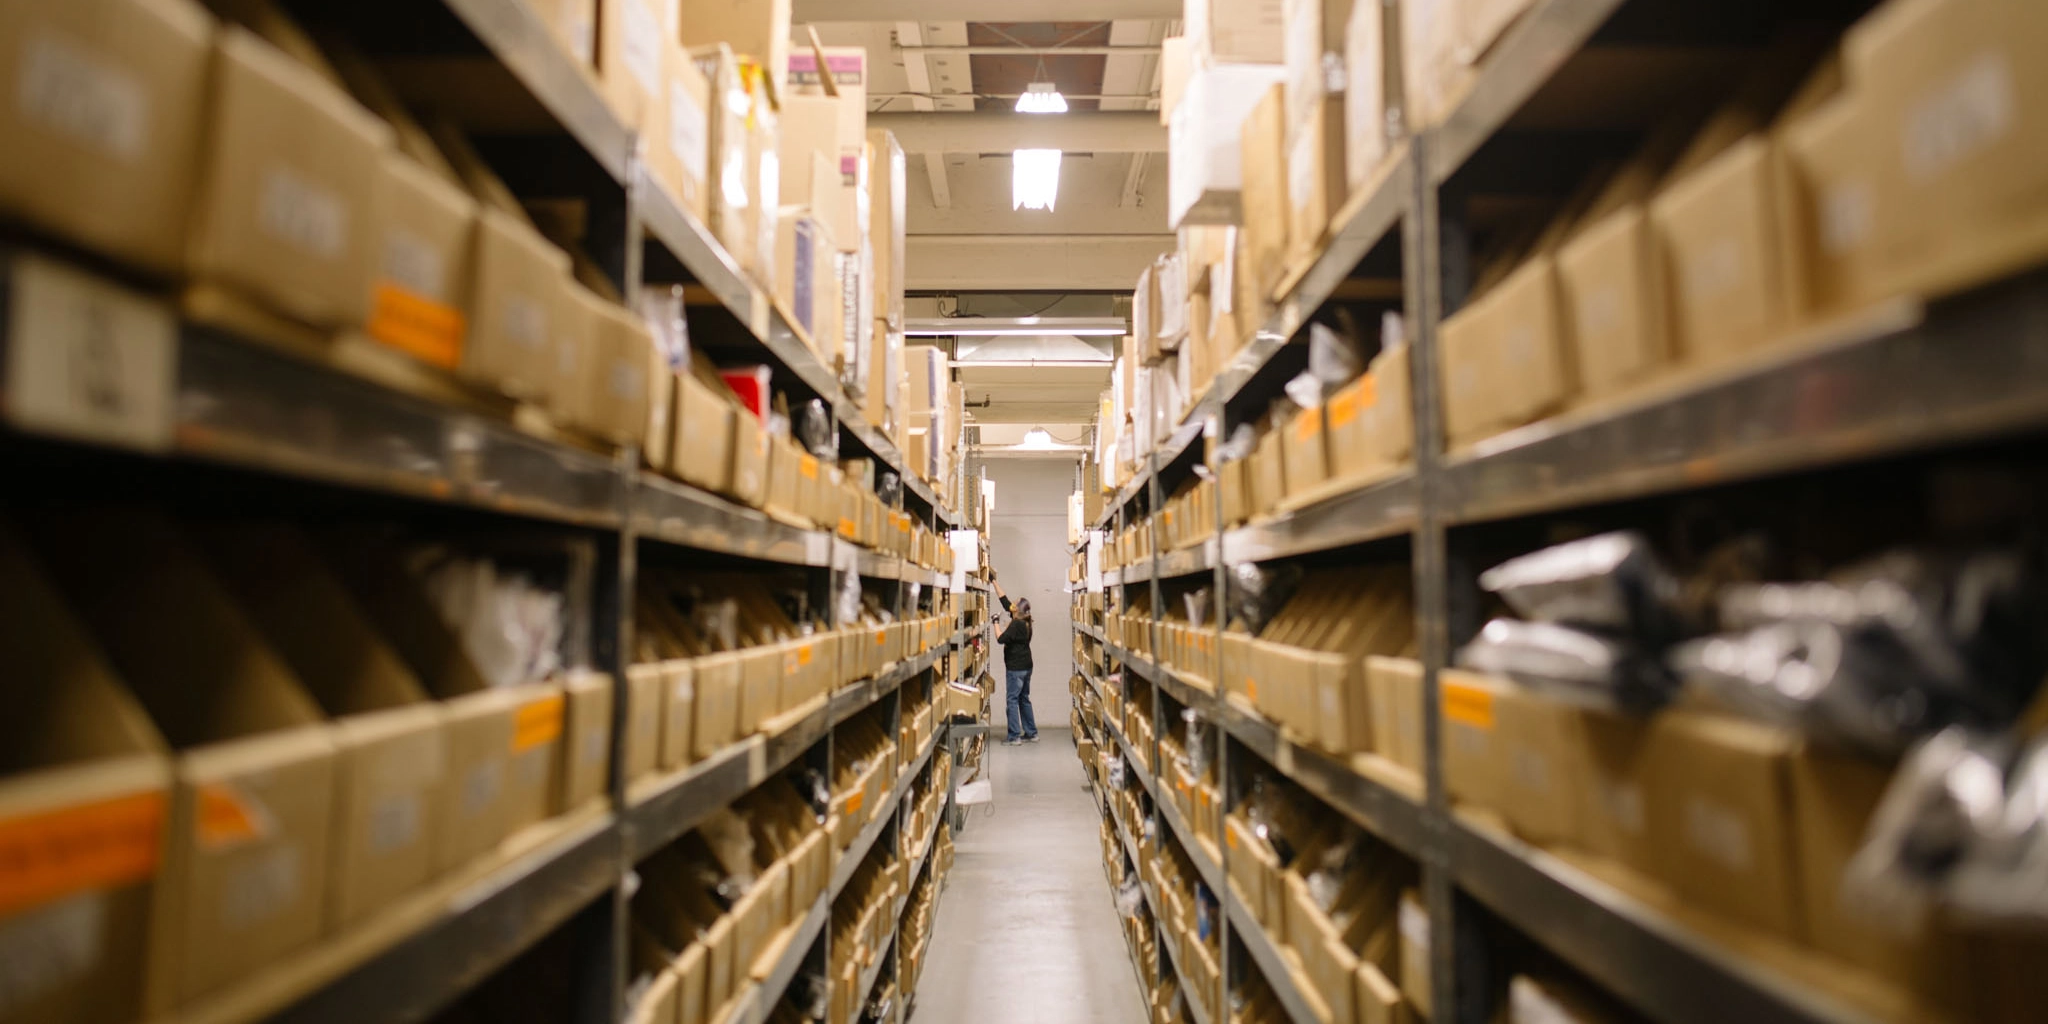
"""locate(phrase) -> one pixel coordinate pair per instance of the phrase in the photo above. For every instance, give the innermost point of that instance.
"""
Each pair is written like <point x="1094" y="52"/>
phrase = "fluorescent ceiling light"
<point x="1041" y="98"/>
<point x="1034" y="179"/>
<point x="1020" y="326"/>
<point x="1037" y="437"/>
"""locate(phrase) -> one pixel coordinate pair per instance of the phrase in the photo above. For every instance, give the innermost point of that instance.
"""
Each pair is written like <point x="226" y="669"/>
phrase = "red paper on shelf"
<point x="750" y="383"/>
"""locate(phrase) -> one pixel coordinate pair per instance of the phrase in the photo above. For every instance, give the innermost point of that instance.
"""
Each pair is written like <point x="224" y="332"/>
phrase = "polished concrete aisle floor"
<point x="1027" y="930"/>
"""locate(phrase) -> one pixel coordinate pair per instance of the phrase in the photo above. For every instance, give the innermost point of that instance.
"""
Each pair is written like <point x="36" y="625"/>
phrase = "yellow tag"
<point x="808" y="466"/>
<point x="419" y="327"/>
<point x="855" y="802"/>
<point x="1468" y="705"/>
<point x="539" y="722"/>
<point x="1251" y="688"/>
<point x="1230" y="838"/>
<point x="227" y="819"/>
<point x="803" y="655"/>
<point x="847" y="527"/>
<point x="100" y="845"/>
<point x="1344" y="407"/>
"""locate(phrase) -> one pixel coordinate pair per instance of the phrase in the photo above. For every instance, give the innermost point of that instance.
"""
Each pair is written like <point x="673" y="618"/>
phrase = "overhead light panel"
<point x="1035" y="173"/>
<point x="1015" y="326"/>
<point x="1037" y="437"/>
<point x="1041" y="98"/>
<point x="1034" y="179"/>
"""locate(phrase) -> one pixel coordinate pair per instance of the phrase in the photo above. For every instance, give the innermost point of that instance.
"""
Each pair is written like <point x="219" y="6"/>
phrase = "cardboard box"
<point x="1833" y="797"/>
<point x="1615" y="298"/>
<point x="520" y="279"/>
<point x="756" y="30"/>
<point x="888" y="191"/>
<point x="1719" y="795"/>
<point x="487" y="741"/>
<point x="391" y="748"/>
<point x="618" y="395"/>
<point x="103" y="139"/>
<point x="1533" y="376"/>
<point x="1956" y="99"/>
<point x="647" y="709"/>
<point x="1394" y="689"/>
<point x="718" y="694"/>
<point x="1475" y="758"/>
<point x="797" y="254"/>
<point x="1613" y="810"/>
<point x="248" y="838"/>
<point x="1305" y="453"/>
<point x="1266" y="217"/>
<point x="1540" y="783"/>
<point x="849" y="68"/>
<point x="1239" y="31"/>
<point x="749" y="460"/>
<point x="631" y="46"/>
<point x="1317" y="186"/>
<point x="679" y="136"/>
<point x="427" y="240"/>
<point x="1718" y="232"/>
<point x="82" y="811"/>
<point x="702" y="452"/>
<point x="1413" y="929"/>
<point x="1470" y="349"/>
<point x="1372" y="89"/>
<point x="586" y="753"/>
<point x="1437" y="71"/>
<point x="679" y="713"/>
<point x="289" y="202"/>
<point x="732" y="193"/>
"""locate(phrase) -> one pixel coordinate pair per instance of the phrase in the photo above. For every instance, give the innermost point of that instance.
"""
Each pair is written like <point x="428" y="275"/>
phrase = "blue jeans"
<point x="1019" y="683"/>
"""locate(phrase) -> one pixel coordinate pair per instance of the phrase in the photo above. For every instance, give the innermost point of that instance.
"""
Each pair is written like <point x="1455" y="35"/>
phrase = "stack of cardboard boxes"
<point x="1816" y="189"/>
<point x="243" y="741"/>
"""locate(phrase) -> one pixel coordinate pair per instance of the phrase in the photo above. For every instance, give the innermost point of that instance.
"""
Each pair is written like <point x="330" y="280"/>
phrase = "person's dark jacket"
<point x="1016" y="641"/>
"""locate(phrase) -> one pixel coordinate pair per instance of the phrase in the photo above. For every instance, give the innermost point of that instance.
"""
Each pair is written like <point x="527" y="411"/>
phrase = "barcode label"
<point x="87" y="360"/>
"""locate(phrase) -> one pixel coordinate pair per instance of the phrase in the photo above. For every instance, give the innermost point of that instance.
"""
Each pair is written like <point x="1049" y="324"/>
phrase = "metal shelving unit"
<point x="205" y="391"/>
<point x="1889" y="382"/>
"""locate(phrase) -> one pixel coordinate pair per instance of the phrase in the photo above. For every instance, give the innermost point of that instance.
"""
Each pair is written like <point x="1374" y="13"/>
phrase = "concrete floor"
<point x="1027" y="930"/>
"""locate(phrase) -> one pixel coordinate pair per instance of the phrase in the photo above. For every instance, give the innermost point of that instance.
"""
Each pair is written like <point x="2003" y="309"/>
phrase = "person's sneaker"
<point x="1013" y="743"/>
<point x="1033" y="738"/>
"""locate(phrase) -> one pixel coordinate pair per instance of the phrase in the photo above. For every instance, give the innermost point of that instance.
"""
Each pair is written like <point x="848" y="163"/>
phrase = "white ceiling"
<point x="1110" y="218"/>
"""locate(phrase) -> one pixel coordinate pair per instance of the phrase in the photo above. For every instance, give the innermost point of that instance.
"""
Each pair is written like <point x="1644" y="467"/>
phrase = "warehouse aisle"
<point x="1027" y="933"/>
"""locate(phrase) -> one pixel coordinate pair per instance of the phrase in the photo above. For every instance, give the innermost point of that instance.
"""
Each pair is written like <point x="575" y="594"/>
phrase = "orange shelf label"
<point x="538" y="723"/>
<point x="100" y="845"/>
<point x="1468" y="705"/>
<point x="419" y="327"/>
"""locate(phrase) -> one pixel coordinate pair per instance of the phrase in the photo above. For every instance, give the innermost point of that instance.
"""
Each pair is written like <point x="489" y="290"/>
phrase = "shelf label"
<point x="89" y="846"/>
<point x="87" y="360"/>
<point x="538" y="723"/>
<point x="1468" y="705"/>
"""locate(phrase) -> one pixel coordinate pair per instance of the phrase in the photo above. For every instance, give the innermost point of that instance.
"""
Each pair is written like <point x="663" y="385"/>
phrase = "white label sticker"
<point x="88" y="360"/>
<point x="481" y="786"/>
<point x="1301" y="170"/>
<point x="261" y="887"/>
<point x="640" y="36"/>
<point x="526" y="323"/>
<point x="689" y="132"/>
<point x="1716" y="271"/>
<point x="302" y="214"/>
<point x="48" y="947"/>
<point x="414" y="264"/>
<point x="1847" y="215"/>
<point x="394" y="822"/>
<point x="627" y="381"/>
<point x="1960" y="118"/>
<point x="94" y="101"/>
<point x="1414" y="925"/>
<point x="1719" y="833"/>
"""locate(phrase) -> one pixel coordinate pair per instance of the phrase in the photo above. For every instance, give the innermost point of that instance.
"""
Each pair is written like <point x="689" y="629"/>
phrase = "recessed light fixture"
<point x="1018" y="326"/>
<point x="1035" y="173"/>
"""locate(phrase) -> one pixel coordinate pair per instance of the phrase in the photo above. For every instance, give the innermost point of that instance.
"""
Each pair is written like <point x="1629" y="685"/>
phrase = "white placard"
<point x="88" y="360"/>
<point x="966" y="556"/>
<point x="1095" y="561"/>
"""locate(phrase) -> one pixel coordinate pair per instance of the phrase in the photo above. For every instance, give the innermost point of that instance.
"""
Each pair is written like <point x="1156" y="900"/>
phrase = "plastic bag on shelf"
<point x="511" y="628"/>
<point x="1254" y="593"/>
<point x="1575" y="665"/>
<point x="1609" y="582"/>
<point x="1197" y="603"/>
<point x="1335" y="358"/>
<point x="2004" y="876"/>
<point x="1243" y="440"/>
<point x="1129" y="897"/>
<point x="1947" y="794"/>
<point x="816" y="431"/>
<point x="1114" y="771"/>
<point x="889" y="488"/>
<point x="1197" y="742"/>
<point x="1853" y="685"/>
<point x="848" y="601"/>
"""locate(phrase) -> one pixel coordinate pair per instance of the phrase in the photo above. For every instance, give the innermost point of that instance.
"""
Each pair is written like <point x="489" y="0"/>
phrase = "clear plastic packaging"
<point x="2004" y="877"/>
<point x="1254" y="594"/>
<point x="1946" y="794"/>
<point x="816" y="431"/>
<point x="511" y="628"/>
<point x="889" y="488"/>
<point x="1197" y="742"/>
<point x="1335" y="358"/>
<point x="732" y="843"/>
<point x="1575" y="665"/>
<point x="1609" y="582"/>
